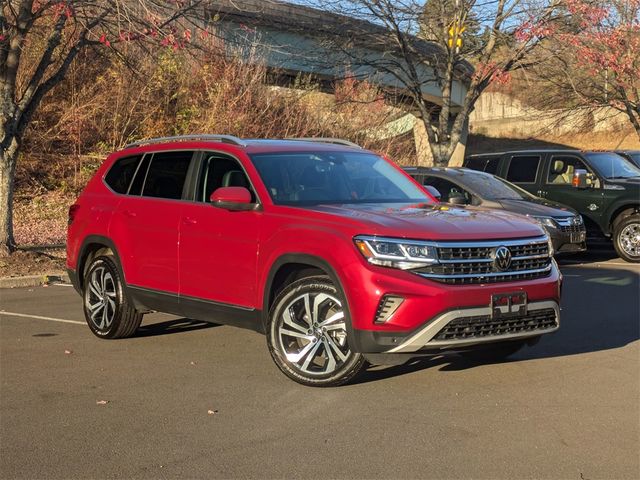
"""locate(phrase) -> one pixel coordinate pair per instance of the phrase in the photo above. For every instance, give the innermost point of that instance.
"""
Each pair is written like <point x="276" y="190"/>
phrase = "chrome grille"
<point x="474" y="262"/>
<point x="484" y="326"/>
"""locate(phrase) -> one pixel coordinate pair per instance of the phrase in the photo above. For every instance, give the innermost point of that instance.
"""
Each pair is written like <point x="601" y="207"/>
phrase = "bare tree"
<point x="592" y="60"/>
<point x="39" y="40"/>
<point x="456" y="48"/>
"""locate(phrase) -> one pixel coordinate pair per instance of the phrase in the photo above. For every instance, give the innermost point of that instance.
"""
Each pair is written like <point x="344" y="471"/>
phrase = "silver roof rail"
<point x="190" y="138"/>
<point x="336" y="141"/>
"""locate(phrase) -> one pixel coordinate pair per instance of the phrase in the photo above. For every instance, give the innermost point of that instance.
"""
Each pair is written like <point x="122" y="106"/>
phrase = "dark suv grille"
<point x="475" y="262"/>
<point x="485" y="326"/>
<point x="570" y="224"/>
<point x="572" y="229"/>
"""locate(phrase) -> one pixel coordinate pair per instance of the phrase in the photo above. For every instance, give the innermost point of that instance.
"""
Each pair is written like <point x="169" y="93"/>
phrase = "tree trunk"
<point x="8" y="157"/>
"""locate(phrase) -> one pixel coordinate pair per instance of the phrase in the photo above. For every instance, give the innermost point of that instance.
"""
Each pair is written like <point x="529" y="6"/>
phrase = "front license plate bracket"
<point x="509" y="304"/>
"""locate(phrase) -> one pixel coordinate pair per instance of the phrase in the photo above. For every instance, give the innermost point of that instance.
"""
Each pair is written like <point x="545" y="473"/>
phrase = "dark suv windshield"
<point x="611" y="165"/>
<point x="635" y="158"/>
<point x="308" y="178"/>
<point x="493" y="188"/>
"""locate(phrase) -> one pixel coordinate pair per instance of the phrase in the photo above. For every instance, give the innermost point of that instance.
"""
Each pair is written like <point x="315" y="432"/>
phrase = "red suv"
<point x="333" y="252"/>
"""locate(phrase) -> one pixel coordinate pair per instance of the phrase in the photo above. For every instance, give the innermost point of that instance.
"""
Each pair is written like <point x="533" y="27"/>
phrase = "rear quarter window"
<point x="121" y="173"/>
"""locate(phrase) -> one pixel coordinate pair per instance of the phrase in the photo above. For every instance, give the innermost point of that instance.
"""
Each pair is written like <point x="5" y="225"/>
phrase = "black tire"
<point x="323" y="335"/>
<point x="117" y="318"/>
<point x="626" y="238"/>
<point x="498" y="350"/>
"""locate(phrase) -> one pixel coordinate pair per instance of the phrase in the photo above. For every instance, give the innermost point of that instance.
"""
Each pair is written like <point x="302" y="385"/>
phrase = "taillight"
<point x="73" y="210"/>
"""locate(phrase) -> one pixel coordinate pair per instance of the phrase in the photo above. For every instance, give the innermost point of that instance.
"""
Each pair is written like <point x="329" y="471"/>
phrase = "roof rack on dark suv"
<point x="333" y="252"/>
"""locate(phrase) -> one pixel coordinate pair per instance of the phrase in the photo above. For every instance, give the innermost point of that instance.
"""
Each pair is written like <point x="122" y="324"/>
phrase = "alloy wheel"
<point x="101" y="300"/>
<point x="312" y="334"/>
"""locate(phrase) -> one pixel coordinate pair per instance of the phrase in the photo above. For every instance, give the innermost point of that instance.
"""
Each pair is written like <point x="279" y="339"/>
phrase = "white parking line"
<point x="38" y="317"/>
<point x="62" y="285"/>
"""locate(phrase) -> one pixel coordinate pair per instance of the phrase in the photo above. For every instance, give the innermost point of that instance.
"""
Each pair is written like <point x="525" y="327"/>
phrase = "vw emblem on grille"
<point x="502" y="258"/>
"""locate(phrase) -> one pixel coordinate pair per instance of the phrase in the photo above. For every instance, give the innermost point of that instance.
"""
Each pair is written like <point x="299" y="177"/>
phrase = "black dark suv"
<point x="602" y="186"/>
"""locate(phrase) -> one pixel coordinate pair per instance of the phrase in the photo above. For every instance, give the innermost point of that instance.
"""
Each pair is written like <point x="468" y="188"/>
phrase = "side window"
<point x="120" y="175"/>
<point x="220" y="171"/>
<point x="167" y="174"/>
<point x="475" y="163"/>
<point x="447" y="189"/>
<point x="562" y="168"/>
<point x="492" y="165"/>
<point x="523" y="169"/>
<point x="141" y="174"/>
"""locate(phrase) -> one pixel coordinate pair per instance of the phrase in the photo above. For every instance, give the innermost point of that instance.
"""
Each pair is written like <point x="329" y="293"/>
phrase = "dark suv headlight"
<point x="396" y="252"/>
<point x="546" y="221"/>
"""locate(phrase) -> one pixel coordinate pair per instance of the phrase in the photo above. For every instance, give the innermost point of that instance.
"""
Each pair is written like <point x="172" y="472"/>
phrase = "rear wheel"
<point x="106" y="308"/>
<point x="626" y="238"/>
<point x="308" y="334"/>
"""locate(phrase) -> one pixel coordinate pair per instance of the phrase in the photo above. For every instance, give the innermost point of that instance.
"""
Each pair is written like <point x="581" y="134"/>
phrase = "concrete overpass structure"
<point x="293" y="39"/>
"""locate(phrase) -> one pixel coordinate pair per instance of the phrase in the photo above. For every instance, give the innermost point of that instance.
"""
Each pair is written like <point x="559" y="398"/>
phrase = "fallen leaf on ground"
<point x="68" y="352"/>
<point x="192" y="363"/>
<point x="102" y="402"/>
<point x="212" y="412"/>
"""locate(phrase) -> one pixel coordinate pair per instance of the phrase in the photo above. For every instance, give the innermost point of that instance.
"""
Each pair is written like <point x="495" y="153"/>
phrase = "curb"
<point x="33" y="280"/>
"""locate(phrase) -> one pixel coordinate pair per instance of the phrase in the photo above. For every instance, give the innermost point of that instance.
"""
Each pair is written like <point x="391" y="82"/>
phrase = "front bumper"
<point x="509" y="328"/>
<point x="568" y="242"/>
<point x="466" y="327"/>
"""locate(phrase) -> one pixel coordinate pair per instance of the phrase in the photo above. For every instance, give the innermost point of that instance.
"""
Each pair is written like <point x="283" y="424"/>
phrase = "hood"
<point x="435" y="222"/>
<point x="541" y="208"/>
<point x="633" y="182"/>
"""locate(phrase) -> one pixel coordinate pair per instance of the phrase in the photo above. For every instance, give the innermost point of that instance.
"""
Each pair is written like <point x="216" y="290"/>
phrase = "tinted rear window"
<point x="523" y="169"/>
<point x="120" y="175"/>
<point x="492" y="165"/>
<point x="483" y="164"/>
<point x="475" y="163"/>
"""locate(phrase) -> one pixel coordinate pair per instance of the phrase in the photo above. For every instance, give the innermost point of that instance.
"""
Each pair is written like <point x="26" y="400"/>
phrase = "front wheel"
<point x="626" y="238"/>
<point x="308" y="335"/>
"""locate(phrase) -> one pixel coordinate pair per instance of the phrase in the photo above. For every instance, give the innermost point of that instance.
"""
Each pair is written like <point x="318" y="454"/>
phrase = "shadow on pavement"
<point x="600" y="311"/>
<point x="179" y="325"/>
<point x="590" y="256"/>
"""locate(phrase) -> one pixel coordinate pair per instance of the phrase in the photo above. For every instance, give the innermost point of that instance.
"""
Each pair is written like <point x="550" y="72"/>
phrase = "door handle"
<point x="189" y="221"/>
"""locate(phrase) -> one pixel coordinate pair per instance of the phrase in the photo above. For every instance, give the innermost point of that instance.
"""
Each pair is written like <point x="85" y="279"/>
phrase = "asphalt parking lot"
<point x="190" y="400"/>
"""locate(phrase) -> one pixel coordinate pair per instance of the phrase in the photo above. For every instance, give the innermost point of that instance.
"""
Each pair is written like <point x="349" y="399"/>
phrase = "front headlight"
<point x="396" y="252"/>
<point x="546" y="221"/>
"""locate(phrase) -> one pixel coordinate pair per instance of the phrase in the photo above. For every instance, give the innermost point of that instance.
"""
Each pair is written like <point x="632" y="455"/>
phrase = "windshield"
<point x="611" y="165"/>
<point x="635" y="158"/>
<point x="311" y="178"/>
<point x="493" y="188"/>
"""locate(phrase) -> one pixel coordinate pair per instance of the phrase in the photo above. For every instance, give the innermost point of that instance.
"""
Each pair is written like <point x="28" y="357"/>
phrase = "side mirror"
<point x="433" y="191"/>
<point x="232" y="198"/>
<point x="457" y="200"/>
<point x="580" y="179"/>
